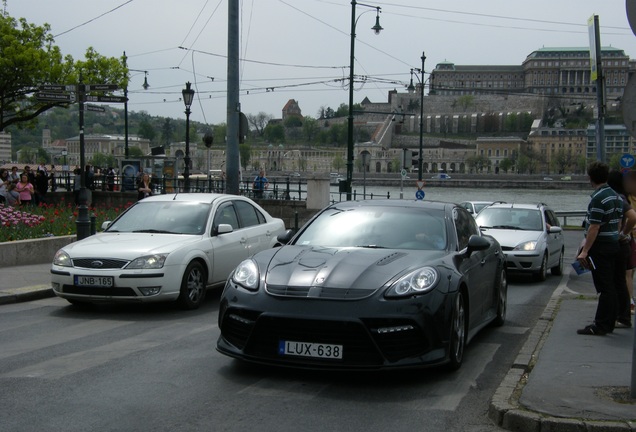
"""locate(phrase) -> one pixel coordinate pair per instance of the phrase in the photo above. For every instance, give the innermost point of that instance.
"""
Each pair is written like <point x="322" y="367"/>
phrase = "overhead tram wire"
<point x="203" y="28"/>
<point x="93" y="19"/>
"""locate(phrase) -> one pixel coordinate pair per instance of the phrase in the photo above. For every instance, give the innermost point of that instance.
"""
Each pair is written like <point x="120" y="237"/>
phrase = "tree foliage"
<point x="29" y="59"/>
<point x="245" y="150"/>
<point x="259" y="122"/>
<point x="274" y="133"/>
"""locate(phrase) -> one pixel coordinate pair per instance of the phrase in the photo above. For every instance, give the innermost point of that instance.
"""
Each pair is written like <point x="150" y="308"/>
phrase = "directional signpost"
<point x="55" y="97"/>
<point x="107" y="99"/>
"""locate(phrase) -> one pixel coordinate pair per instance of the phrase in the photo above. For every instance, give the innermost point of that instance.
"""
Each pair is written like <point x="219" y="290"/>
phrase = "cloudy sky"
<point x="300" y="48"/>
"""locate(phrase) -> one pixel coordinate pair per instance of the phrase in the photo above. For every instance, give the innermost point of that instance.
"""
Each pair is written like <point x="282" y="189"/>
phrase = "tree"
<point x="274" y="133"/>
<point x="293" y="121"/>
<point x="146" y="130"/>
<point x="338" y="163"/>
<point x="581" y="164"/>
<point x="102" y="160"/>
<point x="220" y="133"/>
<point x="563" y="160"/>
<point x="310" y="128"/>
<point x="259" y="122"/>
<point x="167" y="132"/>
<point x="522" y="163"/>
<point x="135" y="152"/>
<point x="30" y="59"/>
<point x="466" y="101"/>
<point x="505" y="165"/>
<point x="615" y="162"/>
<point x="245" y="151"/>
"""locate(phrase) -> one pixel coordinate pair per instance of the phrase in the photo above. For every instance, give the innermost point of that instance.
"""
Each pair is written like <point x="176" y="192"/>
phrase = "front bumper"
<point x="521" y="261"/>
<point x="128" y="285"/>
<point x="375" y="333"/>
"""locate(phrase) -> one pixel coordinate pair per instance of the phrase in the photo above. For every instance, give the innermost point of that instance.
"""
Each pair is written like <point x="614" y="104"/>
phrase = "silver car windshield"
<point x="377" y="227"/>
<point x="510" y="218"/>
<point x="163" y="217"/>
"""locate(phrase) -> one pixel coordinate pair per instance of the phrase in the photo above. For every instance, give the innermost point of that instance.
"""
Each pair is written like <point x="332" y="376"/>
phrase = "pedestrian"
<point x="77" y="184"/>
<point x="89" y="178"/>
<point x="629" y="182"/>
<point x="29" y="173"/>
<point x="41" y="187"/>
<point x="52" y="179"/>
<point x="600" y="250"/>
<point x="4" y="186"/>
<point x="25" y="189"/>
<point x="13" y="175"/>
<point x="110" y="179"/>
<point x="144" y="187"/>
<point x="260" y="184"/>
<point x="625" y="261"/>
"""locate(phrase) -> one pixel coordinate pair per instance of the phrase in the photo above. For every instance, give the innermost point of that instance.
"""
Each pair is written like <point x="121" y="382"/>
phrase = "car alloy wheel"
<point x="502" y="296"/>
<point x="458" y="333"/>
<point x="192" y="286"/>
<point x="542" y="274"/>
<point x="558" y="270"/>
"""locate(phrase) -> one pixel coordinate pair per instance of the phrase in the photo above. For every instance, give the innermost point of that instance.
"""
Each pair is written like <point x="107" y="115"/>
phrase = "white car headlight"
<point x="61" y="258"/>
<point x="526" y="246"/>
<point x="246" y="275"/>
<point x="416" y="282"/>
<point x="148" y="262"/>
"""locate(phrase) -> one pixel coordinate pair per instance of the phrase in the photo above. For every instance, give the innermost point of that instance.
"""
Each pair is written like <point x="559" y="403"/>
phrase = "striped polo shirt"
<point x="605" y="209"/>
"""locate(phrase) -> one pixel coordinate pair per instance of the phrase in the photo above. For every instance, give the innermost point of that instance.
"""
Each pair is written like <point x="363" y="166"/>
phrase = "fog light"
<point x="55" y="286"/>
<point x="149" y="291"/>
<point x="385" y="330"/>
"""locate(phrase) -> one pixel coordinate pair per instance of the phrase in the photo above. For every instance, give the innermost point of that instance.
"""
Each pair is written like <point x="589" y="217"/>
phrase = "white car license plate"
<point x="94" y="281"/>
<point x="307" y="349"/>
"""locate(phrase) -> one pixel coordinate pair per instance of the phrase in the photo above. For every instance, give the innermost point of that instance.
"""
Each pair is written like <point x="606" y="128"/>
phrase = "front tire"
<point x="193" y="286"/>
<point x="458" y="333"/>
<point x="558" y="269"/>
<point x="542" y="274"/>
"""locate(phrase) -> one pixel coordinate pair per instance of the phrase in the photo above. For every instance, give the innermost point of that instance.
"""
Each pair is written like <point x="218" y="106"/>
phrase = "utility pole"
<point x="597" y="74"/>
<point x="233" y="104"/>
<point x="82" y="223"/>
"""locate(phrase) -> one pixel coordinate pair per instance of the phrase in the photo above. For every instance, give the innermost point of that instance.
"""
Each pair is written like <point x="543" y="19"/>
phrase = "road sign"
<point x="97" y="108"/>
<point x="54" y="97"/>
<point x="58" y="87"/>
<point x="420" y="194"/>
<point x="111" y="99"/>
<point x="403" y="173"/>
<point x="627" y="161"/>
<point x="101" y="87"/>
<point x="420" y="184"/>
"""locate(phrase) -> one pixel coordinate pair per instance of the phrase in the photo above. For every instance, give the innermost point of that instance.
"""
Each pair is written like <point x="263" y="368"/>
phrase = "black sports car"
<point x="367" y="285"/>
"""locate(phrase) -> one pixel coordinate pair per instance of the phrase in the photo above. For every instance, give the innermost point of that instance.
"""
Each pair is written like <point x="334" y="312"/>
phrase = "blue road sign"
<point x="627" y="160"/>
<point x="420" y="194"/>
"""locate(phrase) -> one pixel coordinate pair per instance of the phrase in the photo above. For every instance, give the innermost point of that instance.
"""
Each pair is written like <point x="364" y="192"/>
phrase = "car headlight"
<point x="148" y="262"/>
<point x="246" y="275"/>
<point x="416" y="282"/>
<point x="526" y="246"/>
<point x="63" y="259"/>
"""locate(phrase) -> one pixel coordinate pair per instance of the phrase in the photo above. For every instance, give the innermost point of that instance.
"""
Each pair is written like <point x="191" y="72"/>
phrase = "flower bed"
<point x="48" y="220"/>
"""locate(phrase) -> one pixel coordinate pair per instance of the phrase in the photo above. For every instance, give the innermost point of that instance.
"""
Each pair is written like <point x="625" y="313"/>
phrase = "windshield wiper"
<point x="507" y="227"/>
<point x="371" y="246"/>
<point x="154" y="231"/>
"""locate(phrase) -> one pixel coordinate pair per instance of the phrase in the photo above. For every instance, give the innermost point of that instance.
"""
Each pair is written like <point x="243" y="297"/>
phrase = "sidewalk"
<point x="24" y="283"/>
<point x="562" y="381"/>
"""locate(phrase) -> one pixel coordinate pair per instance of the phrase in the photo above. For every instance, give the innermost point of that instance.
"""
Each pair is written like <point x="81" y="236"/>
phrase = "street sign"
<point x="420" y="184"/>
<point x="111" y="99"/>
<point x="403" y="173"/>
<point x="627" y="161"/>
<point x="420" y="194"/>
<point x="54" y="97"/>
<point x="58" y="87"/>
<point x="97" y="108"/>
<point x="101" y="87"/>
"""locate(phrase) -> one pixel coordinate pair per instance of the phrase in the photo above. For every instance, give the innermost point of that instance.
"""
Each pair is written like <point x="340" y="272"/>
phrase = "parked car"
<point x="441" y="176"/>
<point x="164" y="247"/>
<point x="368" y="285"/>
<point x="529" y="234"/>
<point x="474" y="207"/>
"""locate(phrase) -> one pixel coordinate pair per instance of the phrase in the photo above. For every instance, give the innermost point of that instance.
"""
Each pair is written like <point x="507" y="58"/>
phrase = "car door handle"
<point x="243" y="240"/>
<point x="268" y="233"/>
<point x="483" y="261"/>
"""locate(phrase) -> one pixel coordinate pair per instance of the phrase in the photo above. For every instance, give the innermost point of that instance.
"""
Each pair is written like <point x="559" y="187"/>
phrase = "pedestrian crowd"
<point x="608" y="249"/>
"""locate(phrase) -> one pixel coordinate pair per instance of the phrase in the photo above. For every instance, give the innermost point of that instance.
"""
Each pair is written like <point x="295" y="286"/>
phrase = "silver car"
<point x="529" y="234"/>
<point x="474" y="207"/>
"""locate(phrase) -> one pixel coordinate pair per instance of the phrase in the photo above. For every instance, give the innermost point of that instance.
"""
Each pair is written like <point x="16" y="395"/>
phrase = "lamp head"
<point x="188" y="95"/>
<point x="377" y="28"/>
<point x="145" y="85"/>
<point x="411" y="87"/>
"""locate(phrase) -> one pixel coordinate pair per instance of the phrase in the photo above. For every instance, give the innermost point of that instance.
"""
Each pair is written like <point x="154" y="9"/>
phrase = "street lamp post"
<point x="188" y="96"/>
<point x="145" y="86"/>
<point x="376" y="28"/>
<point x="411" y="89"/>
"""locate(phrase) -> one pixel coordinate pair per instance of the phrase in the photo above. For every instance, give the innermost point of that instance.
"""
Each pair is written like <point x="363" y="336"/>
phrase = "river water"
<point x="557" y="199"/>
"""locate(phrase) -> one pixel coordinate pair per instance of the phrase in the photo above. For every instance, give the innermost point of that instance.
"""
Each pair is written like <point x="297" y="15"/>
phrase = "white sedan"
<point x="165" y="247"/>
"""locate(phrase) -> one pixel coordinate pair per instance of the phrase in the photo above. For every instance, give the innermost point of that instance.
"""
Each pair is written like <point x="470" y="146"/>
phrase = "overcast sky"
<point x="300" y="48"/>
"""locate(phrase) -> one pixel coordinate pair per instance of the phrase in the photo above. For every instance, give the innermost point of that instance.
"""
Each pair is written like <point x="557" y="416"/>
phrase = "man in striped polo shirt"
<point x="601" y="248"/>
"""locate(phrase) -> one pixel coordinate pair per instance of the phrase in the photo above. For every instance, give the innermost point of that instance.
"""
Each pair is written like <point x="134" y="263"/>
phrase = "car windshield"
<point x="377" y="227"/>
<point x="163" y="217"/>
<point x="510" y="218"/>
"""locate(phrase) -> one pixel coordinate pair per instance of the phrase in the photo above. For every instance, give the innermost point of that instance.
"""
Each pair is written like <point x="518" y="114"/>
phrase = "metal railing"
<point x="570" y="214"/>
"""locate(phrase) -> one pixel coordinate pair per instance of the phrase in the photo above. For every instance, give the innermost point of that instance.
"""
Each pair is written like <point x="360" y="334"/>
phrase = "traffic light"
<point x="407" y="159"/>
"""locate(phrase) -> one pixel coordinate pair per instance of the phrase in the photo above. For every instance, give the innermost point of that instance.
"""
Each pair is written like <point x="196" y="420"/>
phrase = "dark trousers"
<point x="606" y="277"/>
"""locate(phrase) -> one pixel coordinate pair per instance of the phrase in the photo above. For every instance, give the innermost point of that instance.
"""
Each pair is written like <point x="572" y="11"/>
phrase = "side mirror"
<point x="224" y="229"/>
<point x="285" y="237"/>
<point x="555" y="230"/>
<point x="477" y="243"/>
<point x="105" y="225"/>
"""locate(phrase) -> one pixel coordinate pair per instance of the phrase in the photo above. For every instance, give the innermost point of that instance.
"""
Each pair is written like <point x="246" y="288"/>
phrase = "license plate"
<point x="94" y="281"/>
<point x="307" y="349"/>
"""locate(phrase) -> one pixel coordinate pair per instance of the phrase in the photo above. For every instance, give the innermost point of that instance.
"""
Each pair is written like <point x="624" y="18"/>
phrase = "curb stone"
<point x="24" y="294"/>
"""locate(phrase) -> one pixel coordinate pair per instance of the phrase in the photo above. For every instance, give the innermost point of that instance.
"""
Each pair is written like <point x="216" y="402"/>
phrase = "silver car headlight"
<point x="416" y="282"/>
<point x="63" y="259"/>
<point x="148" y="262"/>
<point x="526" y="246"/>
<point x="246" y="275"/>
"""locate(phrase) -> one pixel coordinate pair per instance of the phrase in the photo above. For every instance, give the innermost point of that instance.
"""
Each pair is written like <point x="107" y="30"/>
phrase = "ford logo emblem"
<point x="97" y="264"/>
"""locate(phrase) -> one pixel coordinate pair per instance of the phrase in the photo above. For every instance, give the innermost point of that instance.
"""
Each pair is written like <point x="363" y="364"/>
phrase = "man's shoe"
<point x="623" y="323"/>
<point x="591" y="330"/>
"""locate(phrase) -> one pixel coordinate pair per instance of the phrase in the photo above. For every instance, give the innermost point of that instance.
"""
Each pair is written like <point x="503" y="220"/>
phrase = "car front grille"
<point x="99" y="263"/>
<point x="99" y="291"/>
<point x="507" y="248"/>
<point x="320" y="292"/>
<point x="398" y="338"/>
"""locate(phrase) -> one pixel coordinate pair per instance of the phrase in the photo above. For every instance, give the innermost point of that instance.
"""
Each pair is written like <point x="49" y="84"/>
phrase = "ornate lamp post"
<point x="188" y="96"/>
<point x="377" y="28"/>
<point x="411" y="89"/>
